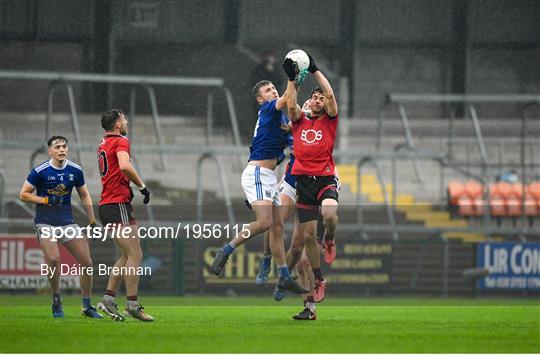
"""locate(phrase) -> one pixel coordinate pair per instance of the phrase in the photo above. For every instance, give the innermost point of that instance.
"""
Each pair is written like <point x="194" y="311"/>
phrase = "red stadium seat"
<point x="497" y="207"/>
<point x="504" y="189"/>
<point x="517" y="189"/>
<point x="534" y="189"/>
<point x="455" y="190"/>
<point x="465" y="207"/>
<point x="493" y="191"/>
<point x="513" y="206"/>
<point x="473" y="189"/>
<point x="479" y="204"/>
<point x="531" y="206"/>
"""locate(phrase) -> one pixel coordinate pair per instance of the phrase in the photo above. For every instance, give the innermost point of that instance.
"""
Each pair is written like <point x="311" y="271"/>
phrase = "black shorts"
<point x="117" y="213"/>
<point x="310" y="192"/>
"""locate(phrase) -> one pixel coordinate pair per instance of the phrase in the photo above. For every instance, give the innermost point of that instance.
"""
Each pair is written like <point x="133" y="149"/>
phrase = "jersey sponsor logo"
<point x="59" y="190"/>
<point x="311" y="136"/>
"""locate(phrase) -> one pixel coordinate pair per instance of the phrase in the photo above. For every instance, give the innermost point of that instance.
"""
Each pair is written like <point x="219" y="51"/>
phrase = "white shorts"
<point x="60" y="234"/>
<point x="287" y="189"/>
<point x="260" y="184"/>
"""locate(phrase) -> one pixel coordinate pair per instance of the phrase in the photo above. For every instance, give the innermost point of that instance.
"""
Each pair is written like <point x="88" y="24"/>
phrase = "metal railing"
<point x="147" y="82"/>
<point x="470" y="101"/>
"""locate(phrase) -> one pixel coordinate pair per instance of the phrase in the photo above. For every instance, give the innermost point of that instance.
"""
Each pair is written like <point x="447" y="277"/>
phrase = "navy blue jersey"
<point x="268" y="139"/>
<point x="289" y="177"/>
<point x="52" y="181"/>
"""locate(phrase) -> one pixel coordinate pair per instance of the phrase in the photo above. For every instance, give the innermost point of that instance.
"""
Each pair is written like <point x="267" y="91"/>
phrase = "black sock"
<point x="318" y="273"/>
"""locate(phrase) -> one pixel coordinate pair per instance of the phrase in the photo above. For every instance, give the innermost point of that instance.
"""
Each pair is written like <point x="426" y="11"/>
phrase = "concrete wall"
<point x="400" y="46"/>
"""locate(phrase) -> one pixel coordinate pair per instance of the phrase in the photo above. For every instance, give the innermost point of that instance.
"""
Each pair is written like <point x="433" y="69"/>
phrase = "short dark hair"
<point x="53" y="138"/>
<point x="316" y="89"/>
<point x="109" y="118"/>
<point x="258" y="86"/>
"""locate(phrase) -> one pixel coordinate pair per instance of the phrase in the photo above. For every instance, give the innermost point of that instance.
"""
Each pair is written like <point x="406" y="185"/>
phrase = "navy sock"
<point x="86" y="302"/>
<point x="267" y="260"/>
<point x="228" y="249"/>
<point x="283" y="271"/>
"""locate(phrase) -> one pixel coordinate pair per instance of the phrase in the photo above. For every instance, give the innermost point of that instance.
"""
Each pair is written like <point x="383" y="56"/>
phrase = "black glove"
<point x="312" y="66"/>
<point x="290" y="68"/>
<point x="53" y="200"/>
<point x="146" y="194"/>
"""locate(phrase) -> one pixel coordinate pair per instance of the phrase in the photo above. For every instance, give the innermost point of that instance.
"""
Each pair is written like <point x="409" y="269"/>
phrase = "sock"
<point x="328" y="236"/>
<point x="56" y="298"/>
<point x="86" y="302"/>
<point x="318" y="273"/>
<point x="267" y="260"/>
<point x="310" y="303"/>
<point x="228" y="249"/>
<point x="132" y="301"/>
<point x="283" y="271"/>
<point x="109" y="295"/>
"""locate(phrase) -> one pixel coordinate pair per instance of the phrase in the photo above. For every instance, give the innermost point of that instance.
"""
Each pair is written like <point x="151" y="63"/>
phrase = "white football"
<point x="300" y="58"/>
<point x="302" y="61"/>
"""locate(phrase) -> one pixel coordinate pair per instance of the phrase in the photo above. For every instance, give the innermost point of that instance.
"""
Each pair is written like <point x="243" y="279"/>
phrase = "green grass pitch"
<point x="224" y="325"/>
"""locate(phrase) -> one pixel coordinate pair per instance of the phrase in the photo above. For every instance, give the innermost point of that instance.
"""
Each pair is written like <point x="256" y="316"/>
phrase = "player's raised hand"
<point x="312" y="66"/>
<point x="290" y="68"/>
<point x="146" y="194"/>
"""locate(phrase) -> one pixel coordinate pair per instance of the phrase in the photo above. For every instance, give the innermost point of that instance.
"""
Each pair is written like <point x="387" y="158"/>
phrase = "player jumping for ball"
<point x="316" y="183"/>
<point x="260" y="186"/>
<point x="115" y="209"/>
<point x="53" y="182"/>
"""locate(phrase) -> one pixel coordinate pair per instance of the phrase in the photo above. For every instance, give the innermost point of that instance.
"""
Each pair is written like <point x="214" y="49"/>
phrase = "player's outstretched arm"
<point x="294" y="111"/>
<point x="330" y="103"/>
<point x="27" y="195"/>
<point x="127" y="169"/>
<point x="86" y="201"/>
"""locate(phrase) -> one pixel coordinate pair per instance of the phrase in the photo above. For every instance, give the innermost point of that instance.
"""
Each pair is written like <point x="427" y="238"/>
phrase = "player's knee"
<point x="309" y="237"/>
<point x="330" y="219"/>
<point x="53" y="260"/>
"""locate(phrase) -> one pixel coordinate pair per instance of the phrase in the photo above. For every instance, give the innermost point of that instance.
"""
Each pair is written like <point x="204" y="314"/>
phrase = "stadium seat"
<point x="497" y="207"/>
<point x="513" y="206"/>
<point x="493" y="191"/>
<point x="504" y="189"/>
<point x="465" y="206"/>
<point x="455" y="190"/>
<point x="534" y="189"/>
<point x="517" y="189"/>
<point x="479" y="204"/>
<point x="473" y="189"/>
<point x="531" y="206"/>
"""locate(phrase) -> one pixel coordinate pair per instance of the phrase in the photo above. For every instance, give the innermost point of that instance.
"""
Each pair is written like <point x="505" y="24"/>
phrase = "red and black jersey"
<point x="115" y="184"/>
<point x="314" y="145"/>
